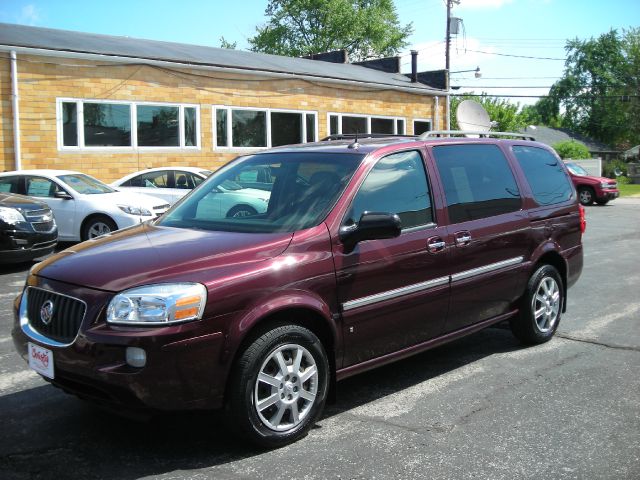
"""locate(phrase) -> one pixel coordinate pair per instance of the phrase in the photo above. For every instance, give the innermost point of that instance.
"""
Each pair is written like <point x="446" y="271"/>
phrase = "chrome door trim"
<point x="390" y="294"/>
<point x="486" y="269"/>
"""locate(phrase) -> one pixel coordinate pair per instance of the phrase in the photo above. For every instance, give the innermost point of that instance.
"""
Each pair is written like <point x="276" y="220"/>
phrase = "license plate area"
<point x="41" y="360"/>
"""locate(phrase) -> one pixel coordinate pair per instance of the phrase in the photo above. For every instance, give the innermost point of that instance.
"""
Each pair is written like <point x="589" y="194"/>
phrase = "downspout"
<point x="448" y="112"/>
<point x="437" y="116"/>
<point x="15" y="110"/>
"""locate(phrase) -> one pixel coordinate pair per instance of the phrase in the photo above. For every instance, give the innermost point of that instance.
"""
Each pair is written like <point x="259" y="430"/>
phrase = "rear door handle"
<point x="435" y="244"/>
<point x="463" y="238"/>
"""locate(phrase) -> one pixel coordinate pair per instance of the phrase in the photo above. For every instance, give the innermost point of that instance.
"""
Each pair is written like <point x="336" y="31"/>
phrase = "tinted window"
<point x="69" y="124"/>
<point x="311" y="127"/>
<point x="478" y="181"/>
<point x="354" y="124"/>
<point x="41" y="187"/>
<point x="190" y="137"/>
<point x="249" y="128"/>
<point x="149" y="180"/>
<point x="382" y="125"/>
<point x="547" y="179"/>
<point x="10" y="184"/>
<point x="221" y="127"/>
<point x="286" y="128"/>
<point x="397" y="184"/>
<point x="419" y="127"/>
<point x="107" y="124"/>
<point x="158" y="126"/>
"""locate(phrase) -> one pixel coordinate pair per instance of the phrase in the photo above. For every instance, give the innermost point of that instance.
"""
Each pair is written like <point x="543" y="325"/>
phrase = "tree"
<point x="364" y="28"/>
<point x="572" y="149"/>
<point x="506" y="115"/>
<point x="599" y="88"/>
<point x="224" y="43"/>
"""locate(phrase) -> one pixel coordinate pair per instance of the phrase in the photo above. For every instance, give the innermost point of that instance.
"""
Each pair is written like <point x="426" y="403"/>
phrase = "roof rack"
<point x="358" y="136"/>
<point x="481" y="134"/>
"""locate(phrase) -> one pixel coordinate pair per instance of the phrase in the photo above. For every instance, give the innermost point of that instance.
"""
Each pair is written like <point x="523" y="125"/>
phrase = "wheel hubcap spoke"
<point x="546" y="304"/>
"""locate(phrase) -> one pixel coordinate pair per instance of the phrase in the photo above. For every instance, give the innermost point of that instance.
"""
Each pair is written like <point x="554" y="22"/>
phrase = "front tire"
<point x="97" y="226"/>
<point x="541" y="307"/>
<point x="278" y="387"/>
<point x="241" y="211"/>
<point x="602" y="202"/>
<point x="586" y="195"/>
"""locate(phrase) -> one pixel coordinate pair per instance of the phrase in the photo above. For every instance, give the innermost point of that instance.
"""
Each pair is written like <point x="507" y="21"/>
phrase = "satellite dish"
<point x="472" y="116"/>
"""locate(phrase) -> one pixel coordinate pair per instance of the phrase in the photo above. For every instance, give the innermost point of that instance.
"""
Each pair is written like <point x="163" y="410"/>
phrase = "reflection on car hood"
<point x="148" y="254"/>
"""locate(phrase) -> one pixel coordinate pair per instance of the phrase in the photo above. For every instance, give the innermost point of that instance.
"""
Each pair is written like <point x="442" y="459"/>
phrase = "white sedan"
<point x="83" y="206"/>
<point x="231" y="198"/>
<point x="168" y="183"/>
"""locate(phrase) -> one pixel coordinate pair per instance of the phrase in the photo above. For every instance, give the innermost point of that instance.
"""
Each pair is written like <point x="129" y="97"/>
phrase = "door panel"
<point x="64" y="210"/>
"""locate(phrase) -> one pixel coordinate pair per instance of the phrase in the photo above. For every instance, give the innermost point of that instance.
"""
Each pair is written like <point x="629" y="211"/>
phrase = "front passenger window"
<point x="41" y="187"/>
<point x="396" y="184"/>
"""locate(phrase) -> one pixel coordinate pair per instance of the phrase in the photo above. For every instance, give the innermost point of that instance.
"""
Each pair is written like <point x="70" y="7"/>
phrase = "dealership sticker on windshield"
<point x="41" y="360"/>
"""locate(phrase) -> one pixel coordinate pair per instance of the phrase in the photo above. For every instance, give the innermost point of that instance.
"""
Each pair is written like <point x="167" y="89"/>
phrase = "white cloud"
<point x="30" y="15"/>
<point x="469" y="4"/>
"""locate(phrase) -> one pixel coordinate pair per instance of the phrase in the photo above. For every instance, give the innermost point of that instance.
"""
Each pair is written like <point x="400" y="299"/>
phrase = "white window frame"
<point x="230" y="148"/>
<point x="426" y="120"/>
<point x="133" y="108"/>
<point x="368" y="117"/>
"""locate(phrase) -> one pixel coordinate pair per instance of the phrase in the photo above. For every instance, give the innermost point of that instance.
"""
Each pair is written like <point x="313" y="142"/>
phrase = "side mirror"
<point x="63" y="195"/>
<point x="371" y="226"/>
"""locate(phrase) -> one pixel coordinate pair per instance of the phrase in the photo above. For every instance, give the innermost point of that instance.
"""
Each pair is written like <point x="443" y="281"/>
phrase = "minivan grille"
<point x="66" y="315"/>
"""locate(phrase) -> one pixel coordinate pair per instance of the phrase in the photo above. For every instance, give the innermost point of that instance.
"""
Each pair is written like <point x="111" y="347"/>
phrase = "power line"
<point x="613" y="97"/>
<point x="516" y="56"/>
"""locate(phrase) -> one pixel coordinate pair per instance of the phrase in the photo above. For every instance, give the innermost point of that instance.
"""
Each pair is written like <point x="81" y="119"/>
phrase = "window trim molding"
<point x="133" y="110"/>
<point x="368" y="118"/>
<point x="268" y="111"/>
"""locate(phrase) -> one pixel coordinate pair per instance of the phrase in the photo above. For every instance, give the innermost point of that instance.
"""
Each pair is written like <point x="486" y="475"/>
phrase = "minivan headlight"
<point x="159" y="304"/>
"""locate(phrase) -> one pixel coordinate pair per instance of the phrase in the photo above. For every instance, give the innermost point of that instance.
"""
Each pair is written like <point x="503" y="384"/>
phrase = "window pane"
<point x="477" y="180"/>
<point x="311" y="127"/>
<point x="190" y="133"/>
<point x="400" y="126"/>
<point x="69" y="124"/>
<point x="382" y="125"/>
<point x="354" y="125"/>
<point x="420" y="127"/>
<point x="249" y="128"/>
<point x="286" y="128"/>
<point x="397" y="184"/>
<point x="40" y="187"/>
<point x="221" y="127"/>
<point x="333" y="125"/>
<point x="158" y="126"/>
<point x="10" y="184"/>
<point x="107" y="125"/>
<point x="548" y="180"/>
<point x="149" y="180"/>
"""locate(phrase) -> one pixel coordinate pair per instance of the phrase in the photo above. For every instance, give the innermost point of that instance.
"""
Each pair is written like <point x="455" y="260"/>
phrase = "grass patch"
<point x="629" y="190"/>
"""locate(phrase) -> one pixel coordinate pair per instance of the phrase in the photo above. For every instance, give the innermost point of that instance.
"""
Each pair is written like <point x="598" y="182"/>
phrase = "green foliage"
<point x="226" y="44"/>
<point x="609" y="168"/>
<point x="365" y="28"/>
<point x="599" y="88"/>
<point x="572" y="149"/>
<point x="623" y="180"/>
<point x="507" y="115"/>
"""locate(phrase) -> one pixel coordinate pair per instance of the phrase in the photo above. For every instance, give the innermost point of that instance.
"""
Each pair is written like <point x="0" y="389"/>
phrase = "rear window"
<point x="548" y="180"/>
<point x="478" y="181"/>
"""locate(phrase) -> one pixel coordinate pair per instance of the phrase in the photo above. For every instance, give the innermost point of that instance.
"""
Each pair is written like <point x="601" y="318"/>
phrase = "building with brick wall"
<point x="109" y="106"/>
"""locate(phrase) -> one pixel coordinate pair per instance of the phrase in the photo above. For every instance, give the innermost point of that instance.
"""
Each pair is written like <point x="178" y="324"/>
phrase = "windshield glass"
<point x="266" y="193"/>
<point x="577" y="169"/>
<point x="85" y="184"/>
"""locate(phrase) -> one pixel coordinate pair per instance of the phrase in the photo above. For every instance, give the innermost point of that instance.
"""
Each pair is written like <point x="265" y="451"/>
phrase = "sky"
<point x="495" y="33"/>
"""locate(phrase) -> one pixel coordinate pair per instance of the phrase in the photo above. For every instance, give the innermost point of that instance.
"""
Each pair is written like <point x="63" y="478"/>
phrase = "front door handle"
<point x="435" y="244"/>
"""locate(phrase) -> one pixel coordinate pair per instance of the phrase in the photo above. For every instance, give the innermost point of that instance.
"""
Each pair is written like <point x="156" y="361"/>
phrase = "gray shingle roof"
<point x="551" y="136"/>
<point x="90" y="43"/>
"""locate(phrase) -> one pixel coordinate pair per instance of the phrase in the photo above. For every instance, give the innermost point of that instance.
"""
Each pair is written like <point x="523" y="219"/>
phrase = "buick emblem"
<point x="46" y="312"/>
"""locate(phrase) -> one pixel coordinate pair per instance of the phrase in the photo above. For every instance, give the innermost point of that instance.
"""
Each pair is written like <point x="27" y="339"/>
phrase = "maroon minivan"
<point x="367" y="251"/>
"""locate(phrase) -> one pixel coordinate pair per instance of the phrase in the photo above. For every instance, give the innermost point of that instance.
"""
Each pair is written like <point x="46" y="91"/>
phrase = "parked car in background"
<point x="168" y="183"/>
<point x="368" y="251"/>
<point x="591" y="188"/>
<point x="27" y="229"/>
<point x="83" y="206"/>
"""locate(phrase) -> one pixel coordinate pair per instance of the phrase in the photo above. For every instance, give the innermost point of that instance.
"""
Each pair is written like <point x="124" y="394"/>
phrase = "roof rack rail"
<point x="358" y="136"/>
<point x="481" y="134"/>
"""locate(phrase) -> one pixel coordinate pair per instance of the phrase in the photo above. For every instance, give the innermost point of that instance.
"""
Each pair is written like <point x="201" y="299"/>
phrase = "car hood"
<point x="595" y="179"/>
<point x="20" y="202"/>
<point x="148" y="254"/>
<point x="127" y="198"/>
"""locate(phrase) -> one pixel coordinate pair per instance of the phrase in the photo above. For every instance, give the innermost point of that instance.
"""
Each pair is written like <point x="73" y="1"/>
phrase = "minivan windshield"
<point x="266" y="193"/>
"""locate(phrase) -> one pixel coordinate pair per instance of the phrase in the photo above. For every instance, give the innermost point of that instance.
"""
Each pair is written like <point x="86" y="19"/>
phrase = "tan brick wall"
<point x="44" y="79"/>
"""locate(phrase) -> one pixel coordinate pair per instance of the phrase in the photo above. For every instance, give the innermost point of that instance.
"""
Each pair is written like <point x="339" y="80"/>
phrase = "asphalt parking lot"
<point x="482" y="407"/>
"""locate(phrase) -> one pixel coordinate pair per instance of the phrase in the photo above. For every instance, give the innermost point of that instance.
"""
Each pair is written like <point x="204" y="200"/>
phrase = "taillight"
<point x="583" y="219"/>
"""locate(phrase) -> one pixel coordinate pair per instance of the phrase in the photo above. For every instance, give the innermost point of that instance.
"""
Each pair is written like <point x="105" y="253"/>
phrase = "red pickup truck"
<point x="592" y="189"/>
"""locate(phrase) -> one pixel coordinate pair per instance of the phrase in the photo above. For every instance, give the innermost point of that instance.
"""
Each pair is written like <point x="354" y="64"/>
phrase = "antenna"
<point x="472" y="116"/>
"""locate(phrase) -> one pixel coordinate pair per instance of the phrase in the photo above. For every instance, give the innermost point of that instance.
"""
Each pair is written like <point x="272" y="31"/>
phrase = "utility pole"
<point x="447" y="62"/>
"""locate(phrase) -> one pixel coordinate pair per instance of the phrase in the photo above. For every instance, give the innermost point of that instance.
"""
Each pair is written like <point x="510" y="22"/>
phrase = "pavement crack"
<point x="596" y="342"/>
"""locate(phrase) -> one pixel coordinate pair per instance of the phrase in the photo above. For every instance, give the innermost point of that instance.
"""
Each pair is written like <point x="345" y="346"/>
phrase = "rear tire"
<point x="241" y="211"/>
<point x="97" y="226"/>
<point x="541" y="307"/>
<point x="278" y="387"/>
<point x="586" y="195"/>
